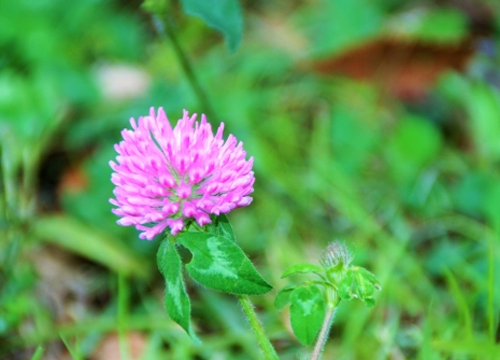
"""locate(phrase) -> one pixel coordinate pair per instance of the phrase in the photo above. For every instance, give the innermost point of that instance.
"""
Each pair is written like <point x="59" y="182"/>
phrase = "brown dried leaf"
<point x="406" y="68"/>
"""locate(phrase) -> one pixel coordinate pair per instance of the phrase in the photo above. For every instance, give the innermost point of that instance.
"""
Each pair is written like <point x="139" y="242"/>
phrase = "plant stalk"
<point x="323" y="334"/>
<point x="164" y="26"/>
<point x="122" y="318"/>
<point x="264" y="343"/>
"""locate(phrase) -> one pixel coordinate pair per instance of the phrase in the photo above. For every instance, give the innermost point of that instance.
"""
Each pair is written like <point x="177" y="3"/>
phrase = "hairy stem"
<point x="323" y="334"/>
<point x="264" y="343"/>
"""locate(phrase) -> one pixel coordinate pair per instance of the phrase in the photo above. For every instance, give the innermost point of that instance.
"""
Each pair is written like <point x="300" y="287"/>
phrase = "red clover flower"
<point x="164" y="176"/>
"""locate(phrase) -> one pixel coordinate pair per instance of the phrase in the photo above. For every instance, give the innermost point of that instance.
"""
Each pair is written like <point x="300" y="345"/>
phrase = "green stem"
<point x="491" y="292"/>
<point x="9" y="165"/>
<point x="37" y="355"/>
<point x="122" y="318"/>
<point x="323" y="334"/>
<point x="264" y="343"/>
<point x="166" y="27"/>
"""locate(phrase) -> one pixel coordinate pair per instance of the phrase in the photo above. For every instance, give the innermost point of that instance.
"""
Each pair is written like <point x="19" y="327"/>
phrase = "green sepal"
<point x="219" y="264"/>
<point x="283" y="297"/>
<point x="303" y="268"/>
<point x="176" y="298"/>
<point x="359" y="283"/>
<point x="307" y="312"/>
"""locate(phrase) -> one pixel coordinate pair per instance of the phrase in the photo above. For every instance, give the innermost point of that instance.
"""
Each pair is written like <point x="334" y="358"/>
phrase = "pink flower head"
<point x="164" y="176"/>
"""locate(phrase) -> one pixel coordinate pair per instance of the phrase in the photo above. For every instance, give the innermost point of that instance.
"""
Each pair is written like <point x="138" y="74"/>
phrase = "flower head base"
<point x="336" y="253"/>
<point x="165" y="176"/>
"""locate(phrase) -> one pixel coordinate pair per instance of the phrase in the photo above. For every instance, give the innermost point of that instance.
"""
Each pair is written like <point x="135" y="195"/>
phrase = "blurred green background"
<point x="375" y="122"/>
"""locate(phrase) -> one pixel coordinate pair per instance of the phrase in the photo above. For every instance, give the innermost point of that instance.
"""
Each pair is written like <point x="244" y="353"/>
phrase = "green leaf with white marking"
<point x="283" y="297"/>
<point x="307" y="312"/>
<point x="303" y="268"/>
<point x="176" y="298"/>
<point x="359" y="283"/>
<point x="219" y="264"/>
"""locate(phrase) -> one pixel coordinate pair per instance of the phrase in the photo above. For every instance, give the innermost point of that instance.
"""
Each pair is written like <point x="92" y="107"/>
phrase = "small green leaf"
<point x="322" y="283"/>
<point x="307" y="312"/>
<point x="359" y="283"/>
<point x="176" y="298"/>
<point x="302" y="268"/>
<point x="283" y="297"/>
<point x="219" y="264"/>
<point x="221" y="226"/>
<point x="224" y="15"/>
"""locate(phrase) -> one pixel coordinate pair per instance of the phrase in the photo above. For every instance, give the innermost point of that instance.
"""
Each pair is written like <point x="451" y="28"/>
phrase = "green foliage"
<point x="310" y="300"/>
<point x="176" y="298"/>
<point x="411" y="186"/>
<point x="442" y="25"/>
<point x="359" y="283"/>
<point x="38" y="353"/>
<point x="219" y="264"/>
<point x="307" y="311"/>
<point x="436" y="25"/>
<point x="303" y="268"/>
<point x="483" y="105"/>
<point x="220" y="226"/>
<point x="413" y="145"/>
<point x="283" y="297"/>
<point x="223" y="15"/>
<point x="155" y="6"/>
<point x="481" y="102"/>
<point x="415" y="141"/>
<point x="332" y="26"/>
<point x="100" y="247"/>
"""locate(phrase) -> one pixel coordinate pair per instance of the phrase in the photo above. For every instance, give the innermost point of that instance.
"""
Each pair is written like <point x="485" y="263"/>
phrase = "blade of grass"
<point x="74" y="352"/>
<point x="491" y="291"/>
<point x="122" y="316"/>
<point x="100" y="247"/>
<point x="461" y="302"/>
<point x="477" y="348"/>
<point x="38" y="353"/>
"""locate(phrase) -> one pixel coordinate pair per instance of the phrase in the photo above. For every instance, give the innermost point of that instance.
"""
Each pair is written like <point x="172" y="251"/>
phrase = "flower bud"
<point x="336" y="253"/>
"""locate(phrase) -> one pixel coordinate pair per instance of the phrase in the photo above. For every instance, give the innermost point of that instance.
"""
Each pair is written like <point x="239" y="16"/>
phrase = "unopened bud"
<point x="336" y="253"/>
